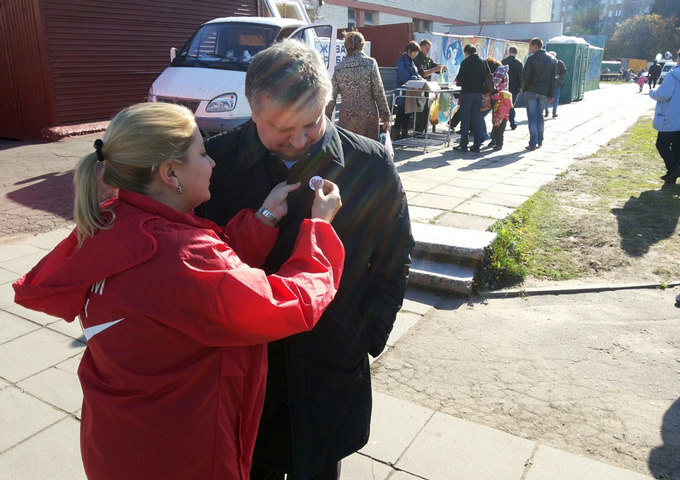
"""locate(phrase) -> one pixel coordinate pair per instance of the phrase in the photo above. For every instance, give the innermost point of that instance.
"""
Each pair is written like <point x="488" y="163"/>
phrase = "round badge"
<point x="314" y="181"/>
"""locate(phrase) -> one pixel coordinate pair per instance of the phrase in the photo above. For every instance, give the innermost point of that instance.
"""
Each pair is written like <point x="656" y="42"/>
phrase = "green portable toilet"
<point x="573" y="51"/>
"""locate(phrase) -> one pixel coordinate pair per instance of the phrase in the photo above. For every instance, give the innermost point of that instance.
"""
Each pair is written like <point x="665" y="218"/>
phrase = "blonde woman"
<point x="357" y="79"/>
<point x="176" y="323"/>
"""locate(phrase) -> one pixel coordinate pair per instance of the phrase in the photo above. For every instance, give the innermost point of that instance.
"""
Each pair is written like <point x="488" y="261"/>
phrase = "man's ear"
<point x="168" y="174"/>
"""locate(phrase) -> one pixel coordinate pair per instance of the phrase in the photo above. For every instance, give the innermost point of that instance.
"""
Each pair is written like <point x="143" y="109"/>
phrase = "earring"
<point x="179" y="189"/>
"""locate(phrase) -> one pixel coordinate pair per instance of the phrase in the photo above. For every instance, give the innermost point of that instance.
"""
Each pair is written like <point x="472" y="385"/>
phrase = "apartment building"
<point x="429" y="15"/>
<point x="613" y="12"/>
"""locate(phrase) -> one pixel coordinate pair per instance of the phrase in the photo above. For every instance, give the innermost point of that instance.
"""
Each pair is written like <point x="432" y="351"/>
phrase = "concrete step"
<point x="446" y="258"/>
<point x="441" y="277"/>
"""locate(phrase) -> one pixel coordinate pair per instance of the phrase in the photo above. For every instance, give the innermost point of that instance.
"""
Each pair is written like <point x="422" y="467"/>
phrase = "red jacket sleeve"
<point x="244" y="306"/>
<point x="250" y="239"/>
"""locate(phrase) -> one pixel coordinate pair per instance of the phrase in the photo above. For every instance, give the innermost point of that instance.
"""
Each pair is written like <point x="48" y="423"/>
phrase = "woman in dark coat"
<point x="406" y="70"/>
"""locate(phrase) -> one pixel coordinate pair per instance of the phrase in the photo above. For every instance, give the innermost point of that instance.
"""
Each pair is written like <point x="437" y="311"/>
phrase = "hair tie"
<point x="98" y="144"/>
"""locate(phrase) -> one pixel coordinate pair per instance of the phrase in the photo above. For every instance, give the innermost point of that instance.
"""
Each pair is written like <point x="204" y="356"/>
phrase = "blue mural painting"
<point x="595" y="55"/>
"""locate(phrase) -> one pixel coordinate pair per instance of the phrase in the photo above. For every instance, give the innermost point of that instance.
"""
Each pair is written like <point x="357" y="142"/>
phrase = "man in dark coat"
<point x="538" y="86"/>
<point x="653" y="74"/>
<point x="426" y="67"/>
<point x="471" y="80"/>
<point x="515" y="68"/>
<point x="318" y="401"/>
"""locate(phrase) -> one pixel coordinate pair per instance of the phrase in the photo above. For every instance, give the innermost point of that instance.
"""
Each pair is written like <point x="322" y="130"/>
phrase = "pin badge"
<point x="314" y="181"/>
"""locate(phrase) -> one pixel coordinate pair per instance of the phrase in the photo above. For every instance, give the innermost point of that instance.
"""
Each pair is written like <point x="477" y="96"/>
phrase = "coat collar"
<point x="251" y="150"/>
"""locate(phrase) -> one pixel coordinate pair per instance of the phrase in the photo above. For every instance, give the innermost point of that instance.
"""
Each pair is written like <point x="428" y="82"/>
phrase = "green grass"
<point x="541" y="238"/>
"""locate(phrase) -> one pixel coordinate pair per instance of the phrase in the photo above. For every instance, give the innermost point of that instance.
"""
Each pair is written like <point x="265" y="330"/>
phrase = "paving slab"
<point x="56" y="386"/>
<point x="449" y="448"/>
<point x="461" y="220"/>
<point x="478" y="207"/>
<point x="430" y="200"/>
<point x="390" y="438"/>
<point x="12" y="326"/>
<point x="52" y="454"/>
<point x="502" y="198"/>
<point x="34" y="352"/>
<point x="23" y="416"/>
<point x="359" y="466"/>
<point x="553" y="464"/>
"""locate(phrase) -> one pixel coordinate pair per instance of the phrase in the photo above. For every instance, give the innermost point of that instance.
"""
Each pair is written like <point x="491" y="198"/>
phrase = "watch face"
<point x="315" y="181"/>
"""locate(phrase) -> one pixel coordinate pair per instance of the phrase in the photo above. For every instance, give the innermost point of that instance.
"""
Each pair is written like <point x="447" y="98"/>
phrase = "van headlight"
<point x="223" y="103"/>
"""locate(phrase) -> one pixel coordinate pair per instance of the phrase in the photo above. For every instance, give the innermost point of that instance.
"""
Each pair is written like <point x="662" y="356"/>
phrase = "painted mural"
<point x="448" y="50"/>
<point x="595" y="55"/>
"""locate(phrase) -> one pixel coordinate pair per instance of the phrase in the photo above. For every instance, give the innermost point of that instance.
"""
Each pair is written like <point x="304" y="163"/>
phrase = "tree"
<point x="667" y="9"/>
<point x="643" y="36"/>
<point x="587" y="17"/>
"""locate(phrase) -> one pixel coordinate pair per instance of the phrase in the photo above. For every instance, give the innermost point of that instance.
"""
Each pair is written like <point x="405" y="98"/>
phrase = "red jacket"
<point x="174" y="372"/>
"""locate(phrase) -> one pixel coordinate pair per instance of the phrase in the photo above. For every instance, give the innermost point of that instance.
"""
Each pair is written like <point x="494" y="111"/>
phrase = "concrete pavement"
<point x="39" y="391"/>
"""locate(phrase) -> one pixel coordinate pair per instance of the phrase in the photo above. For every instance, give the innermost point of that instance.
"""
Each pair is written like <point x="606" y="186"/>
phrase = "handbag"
<point x="486" y="102"/>
<point x="489" y="86"/>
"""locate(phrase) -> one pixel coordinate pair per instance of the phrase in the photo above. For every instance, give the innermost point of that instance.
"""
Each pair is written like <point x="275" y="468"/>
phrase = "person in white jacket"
<point x="667" y="123"/>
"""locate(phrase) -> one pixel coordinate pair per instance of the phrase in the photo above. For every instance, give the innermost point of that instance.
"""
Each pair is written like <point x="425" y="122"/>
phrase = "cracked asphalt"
<point x="595" y="374"/>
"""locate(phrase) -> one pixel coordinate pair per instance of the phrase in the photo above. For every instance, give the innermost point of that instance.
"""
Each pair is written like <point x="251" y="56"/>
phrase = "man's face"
<point x="533" y="48"/>
<point x="425" y="49"/>
<point x="288" y="132"/>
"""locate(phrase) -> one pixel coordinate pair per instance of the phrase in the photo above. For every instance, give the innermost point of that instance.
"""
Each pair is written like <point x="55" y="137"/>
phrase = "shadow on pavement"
<point x="8" y="143"/>
<point x="664" y="461"/>
<point x="648" y="219"/>
<point x="52" y="192"/>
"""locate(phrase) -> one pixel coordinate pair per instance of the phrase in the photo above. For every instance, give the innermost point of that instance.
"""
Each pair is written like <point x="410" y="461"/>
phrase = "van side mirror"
<point x="173" y="53"/>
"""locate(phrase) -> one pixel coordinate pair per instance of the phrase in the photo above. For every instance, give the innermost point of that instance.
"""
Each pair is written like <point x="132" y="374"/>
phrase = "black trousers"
<point x="668" y="146"/>
<point x="423" y="119"/>
<point x="497" y="133"/>
<point x="512" y="110"/>
<point x="401" y="123"/>
<point x="259" y="473"/>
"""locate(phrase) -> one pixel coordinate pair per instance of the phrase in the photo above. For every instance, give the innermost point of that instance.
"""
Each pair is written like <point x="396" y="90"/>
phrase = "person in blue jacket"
<point x="406" y="70"/>
<point x="667" y="123"/>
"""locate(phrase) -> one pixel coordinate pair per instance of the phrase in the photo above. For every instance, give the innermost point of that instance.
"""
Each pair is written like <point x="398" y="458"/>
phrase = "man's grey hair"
<point x="289" y="73"/>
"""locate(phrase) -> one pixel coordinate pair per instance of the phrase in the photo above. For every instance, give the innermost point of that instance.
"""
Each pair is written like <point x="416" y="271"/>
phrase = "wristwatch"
<point x="268" y="215"/>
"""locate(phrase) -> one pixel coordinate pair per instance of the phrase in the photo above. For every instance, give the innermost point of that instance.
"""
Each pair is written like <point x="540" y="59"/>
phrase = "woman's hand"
<point x="327" y="201"/>
<point x="276" y="201"/>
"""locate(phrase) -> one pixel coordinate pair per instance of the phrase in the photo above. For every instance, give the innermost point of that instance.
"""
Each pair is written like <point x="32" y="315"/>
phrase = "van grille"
<point x="190" y="104"/>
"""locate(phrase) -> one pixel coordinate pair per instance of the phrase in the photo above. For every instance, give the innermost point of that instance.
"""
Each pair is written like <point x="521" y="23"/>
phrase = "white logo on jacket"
<point x="89" y="332"/>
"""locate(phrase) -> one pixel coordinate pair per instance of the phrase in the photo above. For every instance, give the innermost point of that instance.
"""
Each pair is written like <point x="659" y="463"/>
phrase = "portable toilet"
<point x="573" y="51"/>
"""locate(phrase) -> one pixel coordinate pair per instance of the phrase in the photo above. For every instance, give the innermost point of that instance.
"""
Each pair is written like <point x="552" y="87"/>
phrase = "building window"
<point x="351" y="18"/>
<point x="618" y="13"/>
<point x="427" y="26"/>
<point x="610" y="13"/>
<point x="369" y="19"/>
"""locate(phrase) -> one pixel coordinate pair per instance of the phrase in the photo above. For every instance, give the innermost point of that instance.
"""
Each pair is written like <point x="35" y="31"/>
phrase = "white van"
<point x="667" y="67"/>
<point x="208" y="74"/>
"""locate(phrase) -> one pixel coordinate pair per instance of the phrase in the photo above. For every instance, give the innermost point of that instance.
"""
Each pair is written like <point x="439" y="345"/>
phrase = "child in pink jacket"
<point x="501" y="111"/>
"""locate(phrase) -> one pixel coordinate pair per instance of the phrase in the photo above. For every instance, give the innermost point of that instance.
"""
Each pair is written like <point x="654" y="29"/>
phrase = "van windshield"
<point x="228" y="46"/>
<point x="668" y="66"/>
